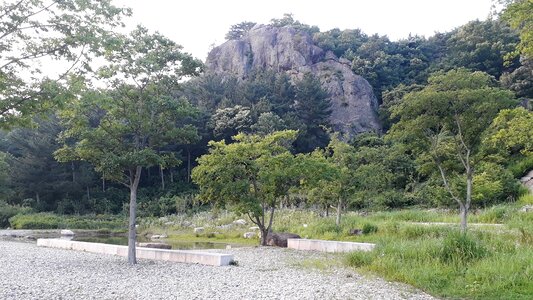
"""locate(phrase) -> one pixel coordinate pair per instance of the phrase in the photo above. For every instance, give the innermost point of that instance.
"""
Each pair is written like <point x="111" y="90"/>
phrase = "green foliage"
<point x="511" y="132"/>
<point x="518" y="13"/>
<point x="52" y="221"/>
<point x="480" y="46"/>
<point x="237" y="31"/>
<point x="369" y="228"/>
<point x="459" y="249"/>
<point x="313" y="109"/>
<point x="526" y="199"/>
<point x="248" y="175"/>
<point x="8" y="211"/>
<point x="71" y="30"/>
<point x="443" y="124"/>
<point x="358" y="259"/>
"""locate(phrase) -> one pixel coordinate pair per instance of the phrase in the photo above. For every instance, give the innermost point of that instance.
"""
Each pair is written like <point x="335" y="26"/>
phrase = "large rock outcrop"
<point x="286" y="49"/>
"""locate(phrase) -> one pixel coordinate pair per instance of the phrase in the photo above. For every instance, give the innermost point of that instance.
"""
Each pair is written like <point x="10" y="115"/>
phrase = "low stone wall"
<point x="328" y="246"/>
<point x="194" y="257"/>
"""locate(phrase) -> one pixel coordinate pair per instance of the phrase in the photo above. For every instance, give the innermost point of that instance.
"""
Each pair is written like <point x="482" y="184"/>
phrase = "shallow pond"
<point x="176" y="244"/>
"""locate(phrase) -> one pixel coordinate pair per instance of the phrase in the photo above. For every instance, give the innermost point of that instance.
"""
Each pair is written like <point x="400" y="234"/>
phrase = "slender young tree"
<point x="122" y="130"/>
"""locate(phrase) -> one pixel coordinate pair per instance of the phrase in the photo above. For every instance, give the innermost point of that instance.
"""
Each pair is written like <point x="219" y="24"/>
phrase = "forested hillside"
<point x="454" y="105"/>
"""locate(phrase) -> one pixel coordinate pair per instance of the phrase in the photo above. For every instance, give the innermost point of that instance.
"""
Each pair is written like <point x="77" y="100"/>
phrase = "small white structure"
<point x="193" y="257"/>
<point x="249" y="235"/>
<point x="328" y="246"/>
<point x="66" y="232"/>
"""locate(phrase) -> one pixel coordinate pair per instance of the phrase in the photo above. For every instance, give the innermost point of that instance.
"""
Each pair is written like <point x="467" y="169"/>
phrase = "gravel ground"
<point x="31" y="272"/>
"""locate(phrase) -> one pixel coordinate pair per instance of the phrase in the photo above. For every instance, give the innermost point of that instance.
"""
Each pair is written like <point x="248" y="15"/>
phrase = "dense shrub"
<point x="8" y="211"/>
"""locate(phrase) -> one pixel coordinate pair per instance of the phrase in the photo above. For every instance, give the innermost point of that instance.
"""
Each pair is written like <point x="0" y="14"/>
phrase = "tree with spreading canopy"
<point x="443" y="124"/>
<point x="249" y="175"/>
<point x="121" y="130"/>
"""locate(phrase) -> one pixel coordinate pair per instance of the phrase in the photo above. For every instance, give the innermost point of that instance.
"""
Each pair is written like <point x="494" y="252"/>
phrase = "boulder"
<point x="356" y="231"/>
<point x="66" y="232"/>
<point x="155" y="245"/>
<point x="198" y="230"/>
<point x="279" y="239"/>
<point x="250" y="235"/>
<point x="239" y="222"/>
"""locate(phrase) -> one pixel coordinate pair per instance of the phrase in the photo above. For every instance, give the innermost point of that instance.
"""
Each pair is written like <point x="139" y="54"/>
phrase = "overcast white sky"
<point x="197" y="24"/>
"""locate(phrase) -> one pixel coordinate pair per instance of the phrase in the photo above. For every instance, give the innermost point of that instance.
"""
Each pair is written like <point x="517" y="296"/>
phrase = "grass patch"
<point x="53" y="221"/>
<point x="487" y="263"/>
<point x="447" y="263"/>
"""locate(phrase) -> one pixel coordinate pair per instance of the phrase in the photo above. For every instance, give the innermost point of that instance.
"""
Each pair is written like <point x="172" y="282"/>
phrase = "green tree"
<point x="313" y="109"/>
<point x="237" y="31"/>
<point x="443" y="124"/>
<point x="122" y="131"/>
<point x="249" y="175"/>
<point x="512" y="131"/>
<point x="336" y="184"/>
<point x="30" y="31"/>
<point x="268" y="123"/>
<point x="519" y="15"/>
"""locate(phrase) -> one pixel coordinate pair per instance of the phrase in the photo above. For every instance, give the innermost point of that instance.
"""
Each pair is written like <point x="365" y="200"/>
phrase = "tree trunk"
<point x="327" y="210"/>
<point x="264" y="235"/>
<point x="88" y="194"/>
<point x="103" y="184"/>
<point x="464" y="215"/>
<point x="339" y="211"/>
<point x="73" y="173"/>
<point x="171" y="175"/>
<point x="135" y="177"/>
<point x="466" y="206"/>
<point x="162" y="177"/>
<point x="188" y="165"/>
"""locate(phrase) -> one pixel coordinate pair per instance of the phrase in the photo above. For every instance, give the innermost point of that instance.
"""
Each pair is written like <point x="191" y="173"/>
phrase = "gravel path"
<point x="31" y="272"/>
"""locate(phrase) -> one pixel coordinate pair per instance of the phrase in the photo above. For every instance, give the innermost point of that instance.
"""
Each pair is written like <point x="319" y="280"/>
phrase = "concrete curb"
<point x="183" y="256"/>
<point x="328" y="246"/>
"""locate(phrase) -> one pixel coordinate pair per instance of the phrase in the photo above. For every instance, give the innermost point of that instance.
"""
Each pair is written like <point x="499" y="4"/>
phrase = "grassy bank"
<point x="488" y="263"/>
<point x="53" y="221"/>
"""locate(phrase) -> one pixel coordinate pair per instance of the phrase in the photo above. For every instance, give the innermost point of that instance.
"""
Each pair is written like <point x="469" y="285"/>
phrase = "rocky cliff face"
<point x="286" y="49"/>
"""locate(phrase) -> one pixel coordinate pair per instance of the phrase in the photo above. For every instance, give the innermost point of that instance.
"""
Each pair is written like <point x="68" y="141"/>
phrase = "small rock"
<point x="527" y="208"/>
<point x="305" y="225"/>
<point x="198" y="230"/>
<point x="66" y="232"/>
<point x="356" y="231"/>
<point x="249" y="235"/>
<point x="155" y="237"/>
<point x="155" y="245"/>
<point x="169" y="223"/>
<point x="186" y="224"/>
<point x="240" y="222"/>
<point x="254" y="228"/>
